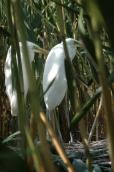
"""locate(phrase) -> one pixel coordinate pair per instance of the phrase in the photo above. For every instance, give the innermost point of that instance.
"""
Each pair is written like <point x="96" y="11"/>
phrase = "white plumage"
<point x="11" y="92"/>
<point x="54" y="70"/>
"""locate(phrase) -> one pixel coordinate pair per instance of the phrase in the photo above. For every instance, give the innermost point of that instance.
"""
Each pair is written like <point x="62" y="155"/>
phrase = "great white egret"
<point x="54" y="71"/>
<point x="55" y="81"/>
<point x="11" y="92"/>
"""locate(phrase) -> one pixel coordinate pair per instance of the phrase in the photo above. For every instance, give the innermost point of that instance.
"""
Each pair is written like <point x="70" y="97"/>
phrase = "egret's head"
<point x="72" y="47"/>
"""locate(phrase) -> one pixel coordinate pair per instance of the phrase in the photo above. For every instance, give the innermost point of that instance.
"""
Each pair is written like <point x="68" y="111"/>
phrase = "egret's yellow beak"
<point x="78" y="43"/>
<point x="40" y="50"/>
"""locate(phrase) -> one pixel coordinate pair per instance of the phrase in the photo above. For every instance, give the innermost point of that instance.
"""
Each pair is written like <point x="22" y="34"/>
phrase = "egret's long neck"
<point x="71" y="52"/>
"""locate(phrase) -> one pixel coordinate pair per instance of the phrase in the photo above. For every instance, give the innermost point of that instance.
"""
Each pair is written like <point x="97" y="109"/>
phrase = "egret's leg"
<point x="67" y="117"/>
<point x="48" y="114"/>
<point x="51" y="117"/>
<point x="58" y="128"/>
<point x="54" y="123"/>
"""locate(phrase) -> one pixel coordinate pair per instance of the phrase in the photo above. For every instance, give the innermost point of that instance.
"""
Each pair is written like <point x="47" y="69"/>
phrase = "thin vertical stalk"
<point x="107" y="100"/>
<point x="60" y="20"/>
<point x="20" y="100"/>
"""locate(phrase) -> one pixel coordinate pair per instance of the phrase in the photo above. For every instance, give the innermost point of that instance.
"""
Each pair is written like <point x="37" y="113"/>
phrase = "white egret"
<point x="55" y="81"/>
<point x="11" y="92"/>
<point x="54" y="71"/>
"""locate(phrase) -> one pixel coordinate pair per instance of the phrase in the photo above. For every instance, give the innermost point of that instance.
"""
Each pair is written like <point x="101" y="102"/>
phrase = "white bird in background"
<point x="54" y="72"/>
<point x="11" y="92"/>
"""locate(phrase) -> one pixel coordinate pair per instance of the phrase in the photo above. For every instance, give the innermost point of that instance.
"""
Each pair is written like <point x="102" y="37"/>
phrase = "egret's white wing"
<point x="56" y="92"/>
<point x="8" y="74"/>
<point x="14" y="104"/>
<point x="11" y="93"/>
